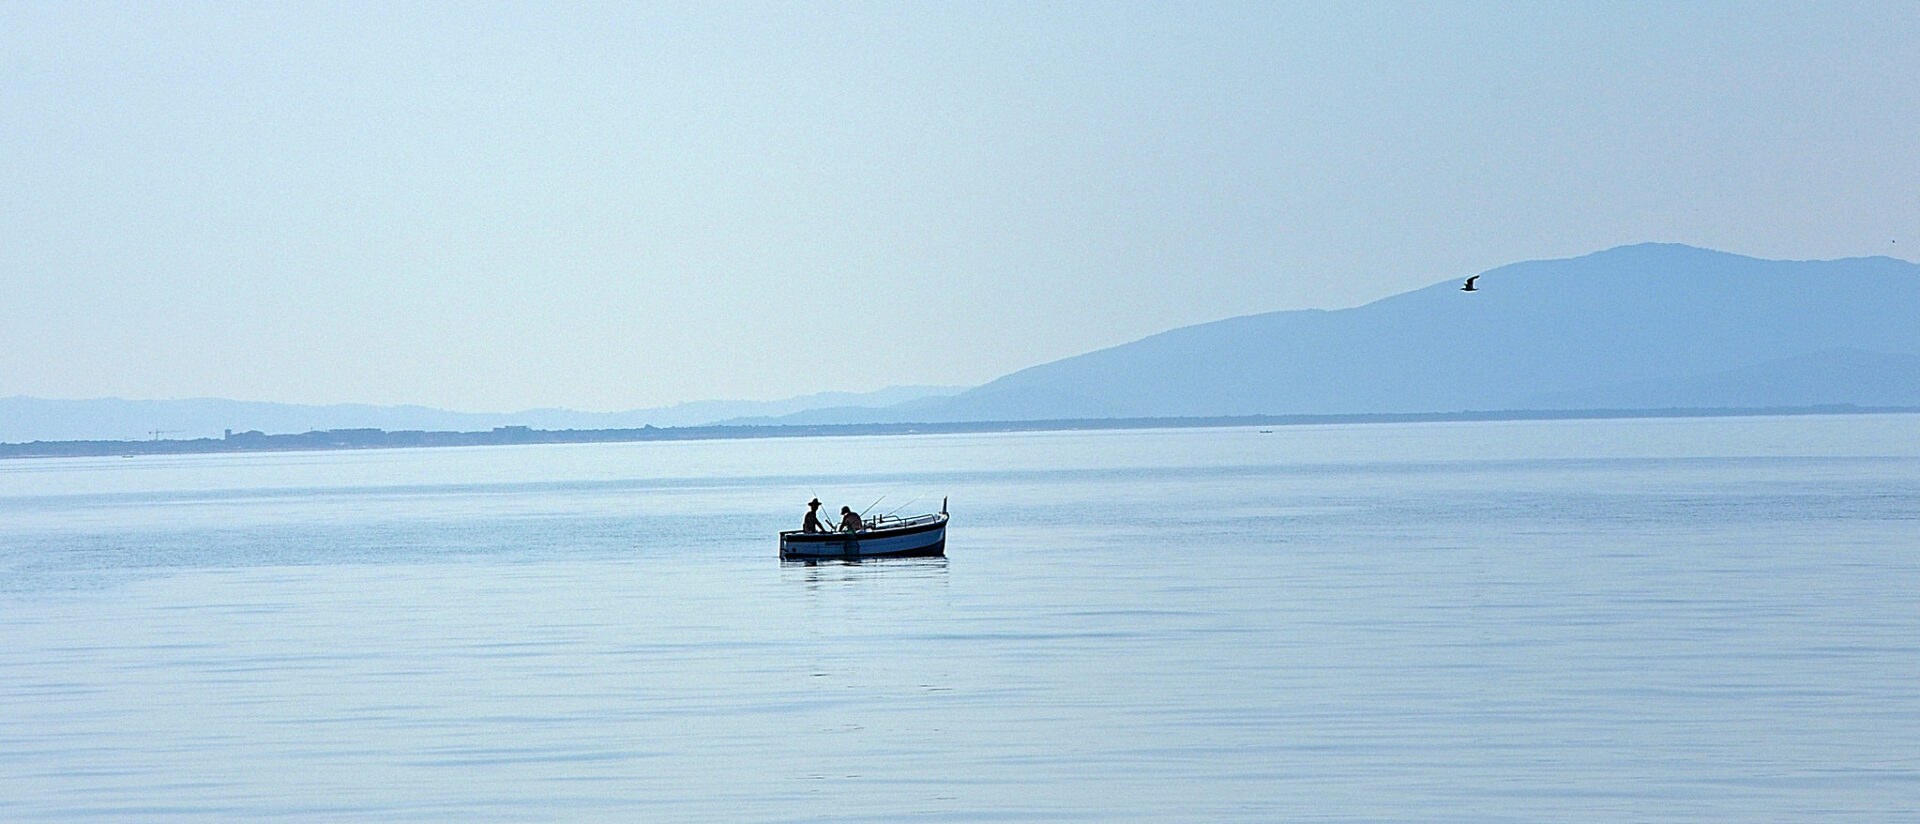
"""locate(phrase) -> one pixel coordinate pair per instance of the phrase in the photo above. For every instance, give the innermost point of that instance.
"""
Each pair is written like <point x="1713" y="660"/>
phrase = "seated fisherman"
<point x="849" y="520"/>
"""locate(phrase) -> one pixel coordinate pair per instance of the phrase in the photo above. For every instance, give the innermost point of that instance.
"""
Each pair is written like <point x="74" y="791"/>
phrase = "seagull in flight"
<point x="1469" y="286"/>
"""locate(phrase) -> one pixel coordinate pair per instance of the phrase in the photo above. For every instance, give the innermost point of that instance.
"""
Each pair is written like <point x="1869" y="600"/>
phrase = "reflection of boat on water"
<point x="883" y="537"/>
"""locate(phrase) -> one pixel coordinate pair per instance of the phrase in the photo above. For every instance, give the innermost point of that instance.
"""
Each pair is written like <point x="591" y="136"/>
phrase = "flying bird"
<point x="1469" y="286"/>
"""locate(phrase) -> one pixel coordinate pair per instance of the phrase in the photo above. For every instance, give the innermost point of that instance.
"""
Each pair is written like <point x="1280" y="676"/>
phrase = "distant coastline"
<point x="337" y="439"/>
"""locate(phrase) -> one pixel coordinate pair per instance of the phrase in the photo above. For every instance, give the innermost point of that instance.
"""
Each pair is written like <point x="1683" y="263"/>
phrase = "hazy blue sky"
<point x="494" y="207"/>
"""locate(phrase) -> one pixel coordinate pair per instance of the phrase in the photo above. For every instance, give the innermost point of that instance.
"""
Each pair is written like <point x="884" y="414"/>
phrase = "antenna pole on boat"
<point x="943" y="504"/>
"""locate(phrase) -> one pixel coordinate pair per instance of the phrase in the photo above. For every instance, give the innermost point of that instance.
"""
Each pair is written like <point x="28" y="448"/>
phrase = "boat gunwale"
<point x="803" y="537"/>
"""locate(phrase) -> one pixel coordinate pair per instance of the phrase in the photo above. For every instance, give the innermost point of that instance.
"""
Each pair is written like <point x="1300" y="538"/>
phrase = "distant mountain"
<point x="24" y="419"/>
<point x="700" y="413"/>
<point x="1824" y="378"/>
<point x="1652" y="326"/>
<point x="1646" y="326"/>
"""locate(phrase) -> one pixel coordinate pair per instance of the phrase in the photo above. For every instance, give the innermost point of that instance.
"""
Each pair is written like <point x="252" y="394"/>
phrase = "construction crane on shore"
<point x="154" y="434"/>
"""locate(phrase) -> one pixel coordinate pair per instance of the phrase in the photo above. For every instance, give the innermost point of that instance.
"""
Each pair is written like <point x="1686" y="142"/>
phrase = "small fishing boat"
<point x="883" y="537"/>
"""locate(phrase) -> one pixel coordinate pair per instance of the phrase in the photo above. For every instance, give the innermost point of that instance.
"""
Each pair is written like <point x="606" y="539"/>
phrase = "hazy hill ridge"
<point x="25" y="419"/>
<point x="1636" y="327"/>
<point x="1650" y="326"/>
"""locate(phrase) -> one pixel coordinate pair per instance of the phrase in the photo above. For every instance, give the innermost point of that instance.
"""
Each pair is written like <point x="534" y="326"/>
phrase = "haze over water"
<point x="1675" y="620"/>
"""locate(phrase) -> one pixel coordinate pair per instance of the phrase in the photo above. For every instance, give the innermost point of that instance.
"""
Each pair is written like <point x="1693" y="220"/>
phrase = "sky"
<point x="502" y="206"/>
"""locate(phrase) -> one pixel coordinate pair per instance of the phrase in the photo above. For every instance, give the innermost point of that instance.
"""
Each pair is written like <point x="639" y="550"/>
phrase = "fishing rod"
<point x="904" y="506"/>
<point x="876" y="502"/>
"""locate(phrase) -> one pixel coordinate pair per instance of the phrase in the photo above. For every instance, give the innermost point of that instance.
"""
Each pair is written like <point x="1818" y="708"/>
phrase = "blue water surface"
<point x="1672" y="620"/>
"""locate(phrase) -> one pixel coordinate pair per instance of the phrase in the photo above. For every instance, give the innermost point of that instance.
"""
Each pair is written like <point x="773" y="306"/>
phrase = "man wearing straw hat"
<point x="812" y="523"/>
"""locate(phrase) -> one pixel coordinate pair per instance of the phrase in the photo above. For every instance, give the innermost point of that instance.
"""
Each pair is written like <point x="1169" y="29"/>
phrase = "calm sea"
<point x="1604" y="621"/>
